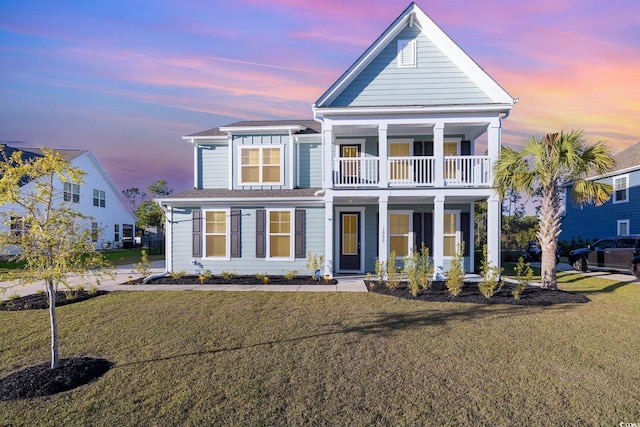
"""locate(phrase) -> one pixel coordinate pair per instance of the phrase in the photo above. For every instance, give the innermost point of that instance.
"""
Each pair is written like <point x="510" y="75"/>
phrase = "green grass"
<point x="263" y="358"/>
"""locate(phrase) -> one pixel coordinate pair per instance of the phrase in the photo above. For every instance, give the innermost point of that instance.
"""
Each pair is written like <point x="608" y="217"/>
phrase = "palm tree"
<point x="540" y="168"/>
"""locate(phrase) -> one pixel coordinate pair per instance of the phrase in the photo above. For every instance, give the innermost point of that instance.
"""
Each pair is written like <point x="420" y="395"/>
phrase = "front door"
<point x="350" y="241"/>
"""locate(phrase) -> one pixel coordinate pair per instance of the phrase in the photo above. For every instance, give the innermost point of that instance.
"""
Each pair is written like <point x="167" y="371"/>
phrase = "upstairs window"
<point x="116" y="232"/>
<point x="261" y="165"/>
<point x="18" y="226"/>
<point x="621" y="189"/>
<point x="98" y="198"/>
<point x="406" y="53"/>
<point x="71" y="192"/>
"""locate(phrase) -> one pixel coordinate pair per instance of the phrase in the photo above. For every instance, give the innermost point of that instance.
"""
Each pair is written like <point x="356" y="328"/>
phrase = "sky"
<point x="128" y="79"/>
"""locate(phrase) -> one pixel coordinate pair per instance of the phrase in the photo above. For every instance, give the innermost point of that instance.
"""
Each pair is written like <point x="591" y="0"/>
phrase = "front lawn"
<point x="268" y="358"/>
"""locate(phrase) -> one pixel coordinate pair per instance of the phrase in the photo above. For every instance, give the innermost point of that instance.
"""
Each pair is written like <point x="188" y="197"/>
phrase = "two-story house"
<point x="614" y="217"/>
<point x="98" y="198"/>
<point x="391" y="160"/>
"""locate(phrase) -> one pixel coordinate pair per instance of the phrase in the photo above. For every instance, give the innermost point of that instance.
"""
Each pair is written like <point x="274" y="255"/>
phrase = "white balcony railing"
<point x="411" y="171"/>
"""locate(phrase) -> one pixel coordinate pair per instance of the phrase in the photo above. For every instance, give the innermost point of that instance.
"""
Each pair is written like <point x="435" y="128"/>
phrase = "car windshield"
<point x="603" y="244"/>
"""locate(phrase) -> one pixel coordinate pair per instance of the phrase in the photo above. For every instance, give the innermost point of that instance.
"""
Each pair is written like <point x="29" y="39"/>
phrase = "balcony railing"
<point x="411" y="171"/>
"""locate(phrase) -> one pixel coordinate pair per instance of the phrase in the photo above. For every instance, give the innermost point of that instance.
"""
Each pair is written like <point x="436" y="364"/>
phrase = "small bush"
<point x="394" y="274"/>
<point x="381" y="270"/>
<point x="314" y="263"/>
<point x="80" y="288"/>
<point x="290" y="275"/>
<point x="490" y="282"/>
<point x="524" y="275"/>
<point x="13" y="297"/>
<point x="93" y="290"/>
<point x="178" y="274"/>
<point x="205" y="275"/>
<point x="40" y="291"/>
<point x="144" y="266"/>
<point x="228" y="274"/>
<point x="419" y="270"/>
<point x="455" y="274"/>
<point x="263" y="277"/>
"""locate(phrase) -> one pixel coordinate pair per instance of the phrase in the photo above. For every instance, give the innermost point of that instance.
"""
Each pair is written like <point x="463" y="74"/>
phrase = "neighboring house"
<point x="391" y="160"/>
<point x="620" y="215"/>
<point x="97" y="197"/>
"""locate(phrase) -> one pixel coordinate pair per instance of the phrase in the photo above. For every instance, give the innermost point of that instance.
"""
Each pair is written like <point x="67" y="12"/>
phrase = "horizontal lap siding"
<point x="310" y="165"/>
<point x="436" y="80"/>
<point x="248" y="264"/>
<point x="213" y="166"/>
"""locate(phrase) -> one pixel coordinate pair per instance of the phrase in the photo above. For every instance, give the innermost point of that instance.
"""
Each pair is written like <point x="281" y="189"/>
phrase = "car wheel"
<point x="579" y="264"/>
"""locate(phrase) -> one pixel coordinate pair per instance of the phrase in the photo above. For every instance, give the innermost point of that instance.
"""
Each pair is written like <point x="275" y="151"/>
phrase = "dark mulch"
<point x="41" y="301"/>
<point x="239" y="280"/>
<point x="532" y="295"/>
<point x="41" y="380"/>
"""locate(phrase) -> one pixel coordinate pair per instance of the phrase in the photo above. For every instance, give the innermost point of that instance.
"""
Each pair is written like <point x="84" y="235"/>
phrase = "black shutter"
<point x="196" y="227"/>
<point x="465" y="228"/>
<point x="261" y="220"/>
<point x="299" y="234"/>
<point x="465" y="148"/>
<point x="428" y="231"/>
<point x="418" y="237"/>
<point x="235" y="233"/>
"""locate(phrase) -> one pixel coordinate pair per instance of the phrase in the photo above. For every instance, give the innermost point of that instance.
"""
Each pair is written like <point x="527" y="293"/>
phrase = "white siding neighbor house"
<point x="98" y="197"/>
<point x="391" y="160"/>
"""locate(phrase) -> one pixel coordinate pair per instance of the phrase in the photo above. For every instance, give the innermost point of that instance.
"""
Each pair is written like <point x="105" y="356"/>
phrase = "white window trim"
<point x="292" y="228"/>
<point x="341" y="142"/>
<point x="626" y="178"/>
<point x="407" y="53"/>
<point x="619" y="223"/>
<point x="261" y="147"/>
<point x="228" y="235"/>
<point x="458" y="231"/>
<point x="409" y="236"/>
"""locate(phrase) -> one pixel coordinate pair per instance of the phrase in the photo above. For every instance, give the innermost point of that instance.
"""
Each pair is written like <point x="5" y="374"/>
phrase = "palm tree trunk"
<point x="547" y="235"/>
<point x="54" y="325"/>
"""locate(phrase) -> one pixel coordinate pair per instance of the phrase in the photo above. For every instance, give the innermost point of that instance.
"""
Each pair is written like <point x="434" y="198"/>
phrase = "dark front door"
<point x="350" y="241"/>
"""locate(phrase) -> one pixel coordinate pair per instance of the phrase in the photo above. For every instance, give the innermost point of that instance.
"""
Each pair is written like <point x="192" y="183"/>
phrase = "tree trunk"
<point x="547" y="235"/>
<point x="54" y="325"/>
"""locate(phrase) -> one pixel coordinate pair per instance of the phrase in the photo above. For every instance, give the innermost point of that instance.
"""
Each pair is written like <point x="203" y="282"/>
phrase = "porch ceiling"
<point x="468" y="130"/>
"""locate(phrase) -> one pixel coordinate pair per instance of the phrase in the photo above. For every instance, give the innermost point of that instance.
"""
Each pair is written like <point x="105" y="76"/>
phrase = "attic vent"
<point x="406" y="53"/>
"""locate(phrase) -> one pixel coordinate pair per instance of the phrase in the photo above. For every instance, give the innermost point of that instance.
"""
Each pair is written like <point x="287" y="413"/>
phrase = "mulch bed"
<point x="41" y="380"/>
<point x="532" y="295"/>
<point x="41" y="301"/>
<point x="239" y="280"/>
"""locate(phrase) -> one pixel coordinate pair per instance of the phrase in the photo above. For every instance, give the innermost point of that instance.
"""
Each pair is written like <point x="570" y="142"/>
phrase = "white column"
<point x="328" y="237"/>
<point x="438" y="153"/>
<point x="383" y="155"/>
<point x="196" y="164"/>
<point x="494" y="143"/>
<point x="472" y="235"/>
<point x="438" y="232"/>
<point x="327" y="156"/>
<point x="493" y="230"/>
<point x="383" y="232"/>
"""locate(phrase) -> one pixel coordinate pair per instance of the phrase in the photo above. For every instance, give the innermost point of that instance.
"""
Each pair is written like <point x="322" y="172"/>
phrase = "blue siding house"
<point x="620" y="215"/>
<point x="389" y="160"/>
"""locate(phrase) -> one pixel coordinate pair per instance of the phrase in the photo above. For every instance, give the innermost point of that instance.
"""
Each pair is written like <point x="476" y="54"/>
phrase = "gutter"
<point x="168" y="231"/>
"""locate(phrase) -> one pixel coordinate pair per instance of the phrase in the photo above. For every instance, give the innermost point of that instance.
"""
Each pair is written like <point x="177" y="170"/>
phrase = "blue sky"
<point x="128" y="79"/>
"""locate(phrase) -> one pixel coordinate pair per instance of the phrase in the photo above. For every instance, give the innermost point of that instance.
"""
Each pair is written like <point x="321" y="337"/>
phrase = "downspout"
<point x="169" y="252"/>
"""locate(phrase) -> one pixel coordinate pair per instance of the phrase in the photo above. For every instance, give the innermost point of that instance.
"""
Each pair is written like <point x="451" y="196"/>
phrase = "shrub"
<point x="381" y="270"/>
<point x="93" y="290"/>
<point x="524" y="274"/>
<point x="490" y="283"/>
<point x="178" y="274"/>
<point x="455" y="274"/>
<point x="144" y="266"/>
<point x="315" y="263"/>
<point x="290" y="275"/>
<point x="205" y="275"/>
<point x="13" y="297"/>
<point x="40" y="291"/>
<point x="263" y="277"/>
<point x="393" y="272"/>
<point x="226" y="275"/>
<point x="419" y="270"/>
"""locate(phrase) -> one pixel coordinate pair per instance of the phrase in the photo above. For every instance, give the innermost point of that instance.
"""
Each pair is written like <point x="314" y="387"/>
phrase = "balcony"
<point x="414" y="171"/>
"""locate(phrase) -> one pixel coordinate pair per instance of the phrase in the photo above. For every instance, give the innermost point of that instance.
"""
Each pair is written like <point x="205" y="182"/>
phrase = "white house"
<point x="389" y="161"/>
<point x="98" y="197"/>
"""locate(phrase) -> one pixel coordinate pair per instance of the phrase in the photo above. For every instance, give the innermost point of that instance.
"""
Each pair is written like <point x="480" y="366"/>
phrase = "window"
<point x="261" y="165"/>
<point x="116" y="232"/>
<point x="623" y="227"/>
<point x="98" y="198"/>
<point x="279" y="234"/>
<point x="71" y="192"/>
<point x="18" y="226"/>
<point x="399" y="228"/>
<point x="399" y="170"/>
<point x="406" y="53"/>
<point x="450" y="236"/>
<point x="216" y="231"/>
<point x="621" y="189"/>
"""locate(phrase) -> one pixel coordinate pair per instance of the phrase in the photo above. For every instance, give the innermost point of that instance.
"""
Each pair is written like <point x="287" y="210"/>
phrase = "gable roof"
<point x="471" y="75"/>
<point x="301" y="127"/>
<point x="66" y="154"/>
<point x="629" y="158"/>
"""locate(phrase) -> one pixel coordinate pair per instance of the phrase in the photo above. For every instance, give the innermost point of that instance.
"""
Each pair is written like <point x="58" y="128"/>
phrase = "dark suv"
<point x="614" y="253"/>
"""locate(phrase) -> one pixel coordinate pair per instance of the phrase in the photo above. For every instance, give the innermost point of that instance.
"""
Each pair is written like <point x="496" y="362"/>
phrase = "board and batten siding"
<point x="597" y="222"/>
<point x="267" y="139"/>
<point x="435" y="80"/>
<point x="310" y="165"/>
<point x="247" y="264"/>
<point x="213" y="162"/>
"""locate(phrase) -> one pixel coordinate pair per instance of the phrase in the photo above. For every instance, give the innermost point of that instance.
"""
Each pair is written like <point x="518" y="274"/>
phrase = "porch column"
<point x="438" y="233"/>
<point x="328" y="237"/>
<point x="383" y="221"/>
<point x="493" y="230"/>
<point x="383" y="156"/>
<point x="438" y="153"/>
<point x="327" y="156"/>
<point x="494" y="143"/>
